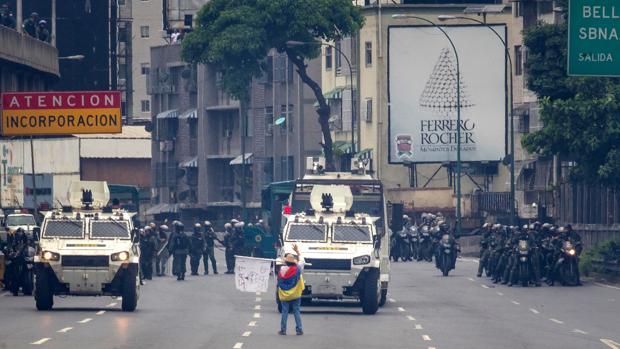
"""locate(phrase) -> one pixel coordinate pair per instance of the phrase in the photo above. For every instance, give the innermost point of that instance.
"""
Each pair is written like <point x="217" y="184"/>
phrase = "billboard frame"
<point x="389" y="106"/>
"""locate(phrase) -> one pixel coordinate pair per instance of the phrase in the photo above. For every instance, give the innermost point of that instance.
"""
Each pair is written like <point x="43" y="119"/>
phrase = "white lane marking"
<point x="484" y="286"/>
<point x="470" y="279"/>
<point x="40" y="341"/>
<point x="401" y="309"/>
<point x="514" y="302"/>
<point x="258" y="293"/>
<point x="65" y="330"/>
<point x="6" y="294"/>
<point x="111" y="305"/>
<point x="610" y="343"/>
<point x="100" y="312"/>
<point x="252" y="324"/>
<point x="556" y="321"/>
<point x="499" y="293"/>
<point x="257" y="315"/>
<point x="418" y="327"/>
<point x="534" y="311"/>
<point x="431" y="347"/>
<point x="257" y="307"/>
<point x="258" y="299"/>
<point x="392" y="300"/>
<point x="247" y="333"/>
<point x="426" y="337"/>
<point x="579" y="331"/>
<point x="238" y="345"/>
<point x="411" y="318"/>
<point x="608" y="286"/>
<point x="85" y="320"/>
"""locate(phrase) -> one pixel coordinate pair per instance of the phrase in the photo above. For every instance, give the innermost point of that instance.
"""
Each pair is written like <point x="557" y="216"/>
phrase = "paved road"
<point x="425" y="311"/>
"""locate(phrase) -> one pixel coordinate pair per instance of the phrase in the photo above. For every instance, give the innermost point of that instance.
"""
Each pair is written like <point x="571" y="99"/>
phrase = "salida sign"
<point x="594" y="37"/>
<point x="60" y="113"/>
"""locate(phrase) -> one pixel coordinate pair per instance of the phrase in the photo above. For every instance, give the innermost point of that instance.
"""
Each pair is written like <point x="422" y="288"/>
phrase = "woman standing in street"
<point x="290" y="287"/>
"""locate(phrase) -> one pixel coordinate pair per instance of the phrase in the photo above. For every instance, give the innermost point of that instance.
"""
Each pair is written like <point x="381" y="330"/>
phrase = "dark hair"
<point x="290" y="264"/>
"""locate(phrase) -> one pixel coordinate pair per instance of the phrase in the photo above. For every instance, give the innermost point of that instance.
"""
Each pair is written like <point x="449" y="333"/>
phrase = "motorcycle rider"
<point x="179" y="249"/>
<point x="197" y="248"/>
<point x="525" y="235"/>
<point x="209" y="251"/>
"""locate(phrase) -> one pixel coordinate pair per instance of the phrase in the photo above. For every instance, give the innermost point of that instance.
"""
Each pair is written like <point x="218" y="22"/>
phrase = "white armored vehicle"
<point x="339" y="221"/>
<point x="87" y="251"/>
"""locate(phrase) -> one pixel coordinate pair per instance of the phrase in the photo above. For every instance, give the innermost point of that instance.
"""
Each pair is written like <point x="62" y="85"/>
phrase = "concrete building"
<point x="197" y="137"/>
<point x="144" y="23"/>
<point x="486" y="186"/>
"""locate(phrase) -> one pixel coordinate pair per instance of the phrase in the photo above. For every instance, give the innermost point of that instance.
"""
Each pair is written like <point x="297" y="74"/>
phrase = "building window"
<point x="188" y="20"/>
<point x="227" y="127"/>
<point x="368" y="54"/>
<point x="518" y="9"/>
<point x="121" y="2"/>
<point x="145" y="105"/>
<point x="518" y="60"/>
<point x="288" y="117"/>
<point x="338" y="55"/>
<point x="144" y="31"/>
<point x="368" y="109"/>
<point x="328" y="58"/>
<point x="269" y="121"/>
<point x="145" y="68"/>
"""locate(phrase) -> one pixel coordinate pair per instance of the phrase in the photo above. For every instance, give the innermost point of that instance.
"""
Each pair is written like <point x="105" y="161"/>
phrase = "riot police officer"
<point x="209" y="251"/>
<point x="229" y="246"/>
<point x="162" y="255"/>
<point x="179" y="249"/>
<point x="197" y="247"/>
<point x="147" y="251"/>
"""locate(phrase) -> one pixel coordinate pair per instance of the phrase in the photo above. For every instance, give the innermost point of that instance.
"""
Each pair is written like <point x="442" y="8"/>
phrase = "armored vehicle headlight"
<point x="120" y="256"/>
<point x="50" y="256"/>
<point x="361" y="260"/>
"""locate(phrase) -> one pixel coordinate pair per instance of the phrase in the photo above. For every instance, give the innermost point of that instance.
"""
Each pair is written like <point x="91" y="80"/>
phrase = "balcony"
<point x="27" y="51"/>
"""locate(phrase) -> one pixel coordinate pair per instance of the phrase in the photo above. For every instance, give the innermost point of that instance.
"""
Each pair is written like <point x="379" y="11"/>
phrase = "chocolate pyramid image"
<point x="439" y="93"/>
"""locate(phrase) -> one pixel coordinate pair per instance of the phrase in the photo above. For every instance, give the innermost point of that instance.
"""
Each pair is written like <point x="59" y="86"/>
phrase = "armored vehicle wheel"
<point x="383" y="298"/>
<point x="372" y="292"/>
<point x="43" y="295"/>
<point x="130" y="290"/>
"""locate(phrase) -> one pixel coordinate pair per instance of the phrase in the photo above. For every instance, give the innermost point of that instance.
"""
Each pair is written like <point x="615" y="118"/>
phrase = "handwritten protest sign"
<point x="252" y="274"/>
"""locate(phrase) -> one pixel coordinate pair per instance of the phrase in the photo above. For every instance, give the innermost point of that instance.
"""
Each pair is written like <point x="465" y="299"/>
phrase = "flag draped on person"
<point x="290" y="283"/>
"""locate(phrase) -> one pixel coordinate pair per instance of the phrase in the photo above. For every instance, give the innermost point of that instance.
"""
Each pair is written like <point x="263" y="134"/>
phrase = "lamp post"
<point x="458" y="115"/>
<point x="513" y="211"/>
<point x="293" y="43"/>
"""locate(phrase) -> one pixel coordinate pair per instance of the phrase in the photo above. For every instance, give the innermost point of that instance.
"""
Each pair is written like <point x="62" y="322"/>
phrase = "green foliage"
<point x="581" y="115"/>
<point x="234" y="36"/>
<point x="606" y="251"/>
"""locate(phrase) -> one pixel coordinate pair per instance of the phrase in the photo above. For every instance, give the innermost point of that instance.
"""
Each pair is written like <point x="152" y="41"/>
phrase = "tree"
<point x="581" y="115"/>
<point x="234" y="36"/>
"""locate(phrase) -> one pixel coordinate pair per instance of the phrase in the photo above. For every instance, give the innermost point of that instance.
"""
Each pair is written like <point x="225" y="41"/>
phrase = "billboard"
<point x="61" y="113"/>
<point x="422" y="92"/>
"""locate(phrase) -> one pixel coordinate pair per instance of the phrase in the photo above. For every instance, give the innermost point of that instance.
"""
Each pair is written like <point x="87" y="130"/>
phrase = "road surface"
<point x="424" y="310"/>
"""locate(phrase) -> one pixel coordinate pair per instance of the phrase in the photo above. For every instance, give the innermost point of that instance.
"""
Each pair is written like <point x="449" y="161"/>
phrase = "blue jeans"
<point x="295" y="305"/>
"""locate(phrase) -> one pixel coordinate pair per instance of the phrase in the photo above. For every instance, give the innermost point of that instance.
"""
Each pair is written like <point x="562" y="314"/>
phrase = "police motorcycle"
<point x="524" y="267"/>
<point x="568" y="264"/>
<point x="21" y="267"/>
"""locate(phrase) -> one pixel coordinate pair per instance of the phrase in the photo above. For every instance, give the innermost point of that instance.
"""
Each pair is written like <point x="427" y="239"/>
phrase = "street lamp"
<point x="458" y="116"/>
<point x="293" y="43"/>
<point x="71" y="58"/>
<point x="513" y="215"/>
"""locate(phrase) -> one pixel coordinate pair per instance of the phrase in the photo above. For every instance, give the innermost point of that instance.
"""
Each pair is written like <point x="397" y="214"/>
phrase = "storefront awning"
<point x="239" y="159"/>
<point x="189" y="114"/>
<point x="342" y="147"/>
<point x="168" y="114"/>
<point x="335" y="93"/>
<point x="191" y="163"/>
<point x="364" y="154"/>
